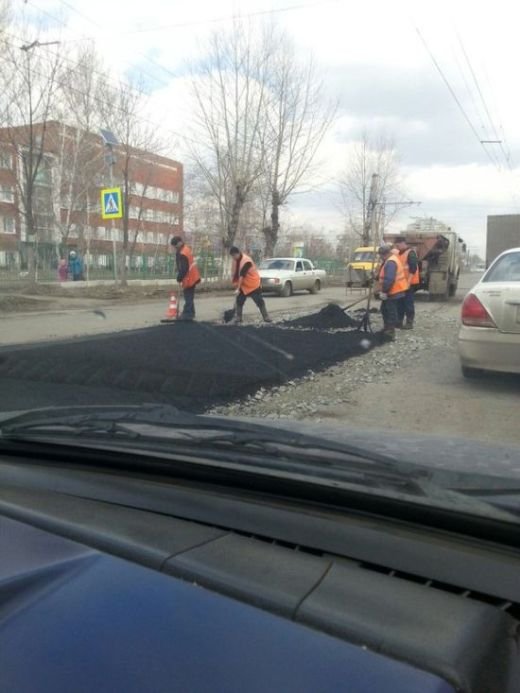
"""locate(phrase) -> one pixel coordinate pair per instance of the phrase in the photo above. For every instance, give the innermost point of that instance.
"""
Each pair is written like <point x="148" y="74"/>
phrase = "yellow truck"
<point x="361" y="267"/>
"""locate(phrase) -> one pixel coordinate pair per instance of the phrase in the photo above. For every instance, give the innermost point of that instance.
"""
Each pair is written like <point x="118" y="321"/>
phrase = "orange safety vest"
<point x="401" y="283"/>
<point x="411" y="278"/>
<point x="193" y="275"/>
<point x="251" y="281"/>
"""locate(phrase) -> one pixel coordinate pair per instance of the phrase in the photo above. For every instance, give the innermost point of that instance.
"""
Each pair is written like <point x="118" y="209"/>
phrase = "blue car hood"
<point x="74" y="619"/>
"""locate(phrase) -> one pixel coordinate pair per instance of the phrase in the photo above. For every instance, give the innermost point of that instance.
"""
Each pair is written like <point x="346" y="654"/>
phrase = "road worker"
<point x="248" y="284"/>
<point x="188" y="276"/>
<point x="410" y="263"/>
<point x="391" y="287"/>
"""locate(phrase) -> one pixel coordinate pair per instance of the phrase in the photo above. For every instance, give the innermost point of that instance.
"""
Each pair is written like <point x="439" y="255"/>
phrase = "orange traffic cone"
<point x="171" y="313"/>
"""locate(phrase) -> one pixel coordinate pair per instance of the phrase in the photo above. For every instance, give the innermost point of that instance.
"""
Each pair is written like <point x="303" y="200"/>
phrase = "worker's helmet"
<point x="384" y="249"/>
<point x="72" y="253"/>
<point x="234" y="250"/>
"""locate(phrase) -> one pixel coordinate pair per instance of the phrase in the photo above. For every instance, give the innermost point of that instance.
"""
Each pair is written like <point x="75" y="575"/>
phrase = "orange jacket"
<point x="412" y="279"/>
<point x="193" y="275"/>
<point x="251" y="281"/>
<point x="400" y="283"/>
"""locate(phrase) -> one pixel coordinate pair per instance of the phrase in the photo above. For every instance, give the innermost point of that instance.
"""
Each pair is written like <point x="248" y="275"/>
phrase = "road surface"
<point x="414" y="386"/>
<point x="104" y="317"/>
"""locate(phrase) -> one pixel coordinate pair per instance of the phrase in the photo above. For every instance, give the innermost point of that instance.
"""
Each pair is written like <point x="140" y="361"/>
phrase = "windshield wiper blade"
<point x="244" y="445"/>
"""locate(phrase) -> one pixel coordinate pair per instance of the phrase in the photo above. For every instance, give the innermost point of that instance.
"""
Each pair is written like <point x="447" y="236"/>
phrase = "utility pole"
<point x="110" y="141"/>
<point x="369" y="231"/>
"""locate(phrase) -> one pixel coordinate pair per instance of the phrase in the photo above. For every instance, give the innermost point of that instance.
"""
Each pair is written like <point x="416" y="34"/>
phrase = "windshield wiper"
<point x="236" y="446"/>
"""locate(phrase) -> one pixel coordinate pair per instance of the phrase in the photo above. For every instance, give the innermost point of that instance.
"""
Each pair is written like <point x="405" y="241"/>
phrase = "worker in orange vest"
<point x="188" y="276"/>
<point x="247" y="281"/>
<point x="410" y="263"/>
<point x="391" y="288"/>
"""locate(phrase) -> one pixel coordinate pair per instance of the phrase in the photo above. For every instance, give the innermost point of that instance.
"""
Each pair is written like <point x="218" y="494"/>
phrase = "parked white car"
<point x="285" y="275"/>
<point x="489" y="337"/>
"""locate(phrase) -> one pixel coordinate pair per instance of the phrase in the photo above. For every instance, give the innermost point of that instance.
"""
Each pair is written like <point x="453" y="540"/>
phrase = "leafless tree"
<point x="371" y="155"/>
<point x="29" y="85"/>
<point x="79" y="161"/>
<point x="230" y="94"/>
<point x="123" y="115"/>
<point x="297" y="118"/>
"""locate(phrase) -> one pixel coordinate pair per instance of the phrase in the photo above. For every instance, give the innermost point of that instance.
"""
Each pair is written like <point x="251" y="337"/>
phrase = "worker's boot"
<point x="408" y="325"/>
<point x="399" y="325"/>
<point x="388" y="334"/>
<point x="265" y="314"/>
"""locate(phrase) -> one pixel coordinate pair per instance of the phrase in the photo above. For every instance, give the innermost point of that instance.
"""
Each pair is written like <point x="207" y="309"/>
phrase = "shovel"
<point x="230" y="314"/>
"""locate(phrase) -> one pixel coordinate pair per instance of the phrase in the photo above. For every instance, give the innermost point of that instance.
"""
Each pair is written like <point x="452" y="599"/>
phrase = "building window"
<point x="175" y="221"/>
<point x="149" y="237"/>
<point x="100" y="232"/>
<point x="6" y="160"/>
<point x="6" y="193"/>
<point x="8" y="225"/>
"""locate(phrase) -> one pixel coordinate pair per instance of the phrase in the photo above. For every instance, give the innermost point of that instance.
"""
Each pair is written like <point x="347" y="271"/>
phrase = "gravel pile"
<point x="312" y="395"/>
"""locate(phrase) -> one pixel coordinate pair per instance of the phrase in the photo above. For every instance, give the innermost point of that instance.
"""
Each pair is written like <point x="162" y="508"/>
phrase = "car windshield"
<point x="185" y="191"/>
<point x="505" y="269"/>
<point x="277" y="265"/>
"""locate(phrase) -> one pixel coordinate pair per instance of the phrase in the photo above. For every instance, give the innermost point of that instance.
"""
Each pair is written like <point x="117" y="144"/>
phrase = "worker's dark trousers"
<point x="406" y="306"/>
<point x="257" y="297"/>
<point x="389" y="311"/>
<point x="188" y="311"/>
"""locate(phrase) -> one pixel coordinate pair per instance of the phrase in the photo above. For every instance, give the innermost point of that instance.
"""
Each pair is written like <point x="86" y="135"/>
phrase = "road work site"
<point x="292" y="369"/>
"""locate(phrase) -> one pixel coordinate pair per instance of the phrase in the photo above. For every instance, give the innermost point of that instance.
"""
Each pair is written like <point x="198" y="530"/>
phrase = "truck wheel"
<point x="316" y="287"/>
<point x="286" y="290"/>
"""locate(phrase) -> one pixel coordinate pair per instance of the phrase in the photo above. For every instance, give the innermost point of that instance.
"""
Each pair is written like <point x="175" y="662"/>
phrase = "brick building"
<point x="70" y="172"/>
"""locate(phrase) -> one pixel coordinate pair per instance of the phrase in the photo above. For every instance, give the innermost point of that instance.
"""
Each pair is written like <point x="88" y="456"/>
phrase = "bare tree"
<point x="230" y="94"/>
<point x="79" y="162"/>
<point x="371" y="156"/>
<point x="29" y="84"/>
<point x="297" y="119"/>
<point x="124" y="117"/>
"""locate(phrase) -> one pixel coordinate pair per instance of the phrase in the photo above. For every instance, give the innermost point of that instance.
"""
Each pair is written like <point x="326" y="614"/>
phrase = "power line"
<point x="214" y="20"/>
<point x="452" y="92"/>
<point x="484" y="102"/>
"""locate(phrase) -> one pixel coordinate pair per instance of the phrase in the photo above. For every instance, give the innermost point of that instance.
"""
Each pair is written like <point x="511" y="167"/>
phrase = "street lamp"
<point x="31" y="232"/>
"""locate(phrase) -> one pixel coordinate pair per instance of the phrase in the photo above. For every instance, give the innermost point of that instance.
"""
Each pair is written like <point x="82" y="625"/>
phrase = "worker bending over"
<point x="410" y="263"/>
<point x="248" y="283"/>
<point x="391" y="287"/>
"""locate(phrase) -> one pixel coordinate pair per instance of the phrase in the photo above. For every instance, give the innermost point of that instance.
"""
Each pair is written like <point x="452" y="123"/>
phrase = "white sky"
<point x="373" y="61"/>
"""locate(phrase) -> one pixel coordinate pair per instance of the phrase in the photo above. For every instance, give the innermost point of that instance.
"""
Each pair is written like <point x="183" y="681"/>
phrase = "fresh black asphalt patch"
<point x="191" y="365"/>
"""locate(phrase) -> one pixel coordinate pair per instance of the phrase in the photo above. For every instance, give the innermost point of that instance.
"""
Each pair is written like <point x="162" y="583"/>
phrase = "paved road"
<point x="103" y="317"/>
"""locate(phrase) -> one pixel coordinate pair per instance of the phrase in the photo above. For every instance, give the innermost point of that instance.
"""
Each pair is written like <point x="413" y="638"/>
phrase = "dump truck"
<point x="440" y="252"/>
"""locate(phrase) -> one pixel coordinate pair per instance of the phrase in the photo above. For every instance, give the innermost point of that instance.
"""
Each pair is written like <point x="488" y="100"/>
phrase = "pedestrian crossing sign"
<point x="111" y="205"/>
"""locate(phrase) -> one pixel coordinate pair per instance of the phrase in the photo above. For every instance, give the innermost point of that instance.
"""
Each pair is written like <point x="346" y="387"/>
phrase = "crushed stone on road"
<point x="315" y="396"/>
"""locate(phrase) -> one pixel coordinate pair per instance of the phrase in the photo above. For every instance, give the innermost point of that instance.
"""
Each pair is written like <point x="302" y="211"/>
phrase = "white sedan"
<point x="285" y="275"/>
<point x="489" y="337"/>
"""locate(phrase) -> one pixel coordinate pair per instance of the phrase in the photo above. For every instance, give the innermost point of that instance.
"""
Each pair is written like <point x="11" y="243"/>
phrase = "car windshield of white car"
<point x="507" y="269"/>
<point x="277" y="265"/>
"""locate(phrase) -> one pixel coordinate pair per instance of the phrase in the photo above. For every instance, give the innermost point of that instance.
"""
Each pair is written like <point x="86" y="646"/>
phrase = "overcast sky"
<point x="374" y="62"/>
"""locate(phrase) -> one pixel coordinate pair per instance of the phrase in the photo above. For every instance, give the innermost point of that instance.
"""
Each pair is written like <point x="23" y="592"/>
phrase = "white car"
<point x="489" y="337"/>
<point x="285" y="275"/>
